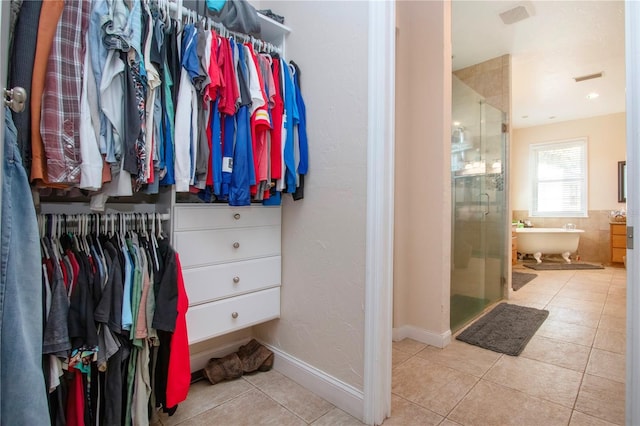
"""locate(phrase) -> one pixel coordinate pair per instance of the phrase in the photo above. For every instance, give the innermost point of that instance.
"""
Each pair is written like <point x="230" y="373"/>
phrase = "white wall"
<point x="606" y="137"/>
<point x="422" y="255"/>
<point x="323" y="236"/>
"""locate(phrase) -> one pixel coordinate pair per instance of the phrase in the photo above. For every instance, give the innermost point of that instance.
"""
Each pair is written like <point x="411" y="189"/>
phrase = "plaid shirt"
<point x="60" y="121"/>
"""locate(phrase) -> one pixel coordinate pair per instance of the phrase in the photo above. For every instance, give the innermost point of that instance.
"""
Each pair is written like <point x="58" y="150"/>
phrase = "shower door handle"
<point x="486" y="212"/>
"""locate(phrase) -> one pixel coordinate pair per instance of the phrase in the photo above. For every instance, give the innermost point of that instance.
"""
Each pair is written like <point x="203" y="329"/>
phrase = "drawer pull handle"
<point x="236" y="280"/>
<point x="236" y="216"/>
<point x="234" y="315"/>
<point x="236" y="245"/>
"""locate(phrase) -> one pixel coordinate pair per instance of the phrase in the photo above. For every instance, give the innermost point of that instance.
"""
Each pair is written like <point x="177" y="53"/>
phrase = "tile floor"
<point x="572" y="372"/>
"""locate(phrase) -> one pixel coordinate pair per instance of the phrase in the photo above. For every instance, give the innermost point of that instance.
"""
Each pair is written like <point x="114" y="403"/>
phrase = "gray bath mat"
<point x="506" y="328"/>
<point x="557" y="266"/>
<point x="519" y="279"/>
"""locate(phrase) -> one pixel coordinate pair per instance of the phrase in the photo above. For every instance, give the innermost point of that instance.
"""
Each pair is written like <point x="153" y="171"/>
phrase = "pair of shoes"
<point x="255" y="357"/>
<point x="226" y="368"/>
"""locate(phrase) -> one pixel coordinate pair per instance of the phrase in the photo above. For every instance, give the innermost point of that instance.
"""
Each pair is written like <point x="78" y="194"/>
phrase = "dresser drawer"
<point x="211" y="283"/>
<point x="231" y="314"/>
<point x="219" y="217"/>
<point x="209" y="247"/>
<point x="619" y="229"/>
<point x="619" y="241"/>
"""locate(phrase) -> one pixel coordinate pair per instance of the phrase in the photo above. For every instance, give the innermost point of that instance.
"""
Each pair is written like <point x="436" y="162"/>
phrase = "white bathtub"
<point x="537" y="241"/>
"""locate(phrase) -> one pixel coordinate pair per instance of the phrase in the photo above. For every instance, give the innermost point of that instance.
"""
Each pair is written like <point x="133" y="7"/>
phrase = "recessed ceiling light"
<point x="592" y="95"/>
<point x="552" y="117"/>
<point x="456" y="123"/>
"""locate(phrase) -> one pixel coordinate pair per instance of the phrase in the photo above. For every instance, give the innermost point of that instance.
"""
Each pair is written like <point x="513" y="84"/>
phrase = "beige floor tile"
<point x="430" y="385"/>
<point x="573" y="316"/>
<point x="291" y="395"/>
<point x="598" y="288"/>
<point x="537" y="379"/>
<point x="409" y="346"/>
<point x="606" y="364"/>
<point x="602" y="398"/>
<point x="566" y="332"/>
<point x="462" y="356"/>
<point x="578" y="305"/>
<point x="544" y="286"/>
<point x="492" y="404"/>
<point x="204" y="396"/>
<point x="581" y="419"/>
<point x="406" y="413"/>
<point x="337" y="417"/>
<point x="618" y="292"/>
<point x="556" y="352"/>
<point x="585" y="295"/>
<point x="611" y="340"/>
<point x="613" y="323"/>
<point x="250" y="408"/>
<point x="616" y="309"/>
<point x="531" y="297"/>
<point x="448" y="422"/>
<point x="619" y="282"/>
<point x="528" y="304"/>
<point x="398" y="357"/>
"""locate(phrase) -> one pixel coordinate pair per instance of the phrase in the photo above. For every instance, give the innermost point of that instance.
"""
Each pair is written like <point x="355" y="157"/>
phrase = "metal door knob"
<point x="234" y="315"/>
<point x="236" y="245"/>
<point x="236" y="216"/>
<point x="236" y="280"/>
<point x="15" y="98"/>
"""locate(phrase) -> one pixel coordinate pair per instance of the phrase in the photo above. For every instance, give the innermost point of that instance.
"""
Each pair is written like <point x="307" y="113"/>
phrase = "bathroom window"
<point x="559" y="178"/>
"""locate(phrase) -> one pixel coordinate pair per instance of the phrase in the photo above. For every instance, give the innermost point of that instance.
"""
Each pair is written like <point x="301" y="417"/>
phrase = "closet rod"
<point x="179" y="11"/>
<point x="74" y="216"/>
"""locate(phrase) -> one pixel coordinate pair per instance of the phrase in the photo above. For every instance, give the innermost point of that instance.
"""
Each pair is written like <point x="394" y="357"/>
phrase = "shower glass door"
<point x="478" y="152"/>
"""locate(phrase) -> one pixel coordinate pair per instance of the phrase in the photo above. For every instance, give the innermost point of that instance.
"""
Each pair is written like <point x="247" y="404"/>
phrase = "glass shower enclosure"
<point x="478" y="159"/>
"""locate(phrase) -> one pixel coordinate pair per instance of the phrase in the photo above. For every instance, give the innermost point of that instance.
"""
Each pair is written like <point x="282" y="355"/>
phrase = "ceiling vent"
<point x="516" y="14"/>
<point x="588" y="77"/>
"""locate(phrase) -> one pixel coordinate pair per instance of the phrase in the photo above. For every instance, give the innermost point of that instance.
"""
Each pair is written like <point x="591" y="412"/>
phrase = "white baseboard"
<point x="199" y="360"/>
<point x="338" y="393"/>
<point x="422" y="335"/>
<point x="344" y="396"/>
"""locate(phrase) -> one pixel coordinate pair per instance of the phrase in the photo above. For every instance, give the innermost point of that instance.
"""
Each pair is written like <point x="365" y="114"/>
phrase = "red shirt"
<point x="179" y="375"/>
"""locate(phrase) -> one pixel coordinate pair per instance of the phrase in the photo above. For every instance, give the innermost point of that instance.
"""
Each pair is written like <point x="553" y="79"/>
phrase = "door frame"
<point x="380" y="205"/>
<point x="632" y="60"/>
<point x="5" y="13"/>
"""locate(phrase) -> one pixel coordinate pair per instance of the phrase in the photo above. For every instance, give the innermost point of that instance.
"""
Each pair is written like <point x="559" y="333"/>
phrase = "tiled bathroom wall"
<point x="594" y="242"/>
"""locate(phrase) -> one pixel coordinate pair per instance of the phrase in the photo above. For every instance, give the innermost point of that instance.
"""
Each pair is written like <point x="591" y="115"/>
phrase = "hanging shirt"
<point x="276" y="118"/>
<point x="91" y="166"/>
<point x="229" y="93"/>
<point x="302" y="159"/>
<point x="179" y="376"/>
<point x="98" y="53"/>
<point x="243" y="174"/>
<point x="185" y="122"/>
<point x="50" y="14"/>
<point x="60" y="125"/>
<point x="291" y="120"/>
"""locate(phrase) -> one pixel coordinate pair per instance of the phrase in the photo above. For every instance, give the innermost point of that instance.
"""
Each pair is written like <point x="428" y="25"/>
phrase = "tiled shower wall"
<point x="594" y="242"/>
<point x="491" y="79"/>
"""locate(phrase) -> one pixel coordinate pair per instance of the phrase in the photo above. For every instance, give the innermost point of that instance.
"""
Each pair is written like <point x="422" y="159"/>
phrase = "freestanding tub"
<point x="548" y="241"/>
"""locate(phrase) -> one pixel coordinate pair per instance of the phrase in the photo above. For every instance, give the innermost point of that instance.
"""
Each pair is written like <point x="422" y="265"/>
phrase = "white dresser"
<point x="231" y="265"/>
